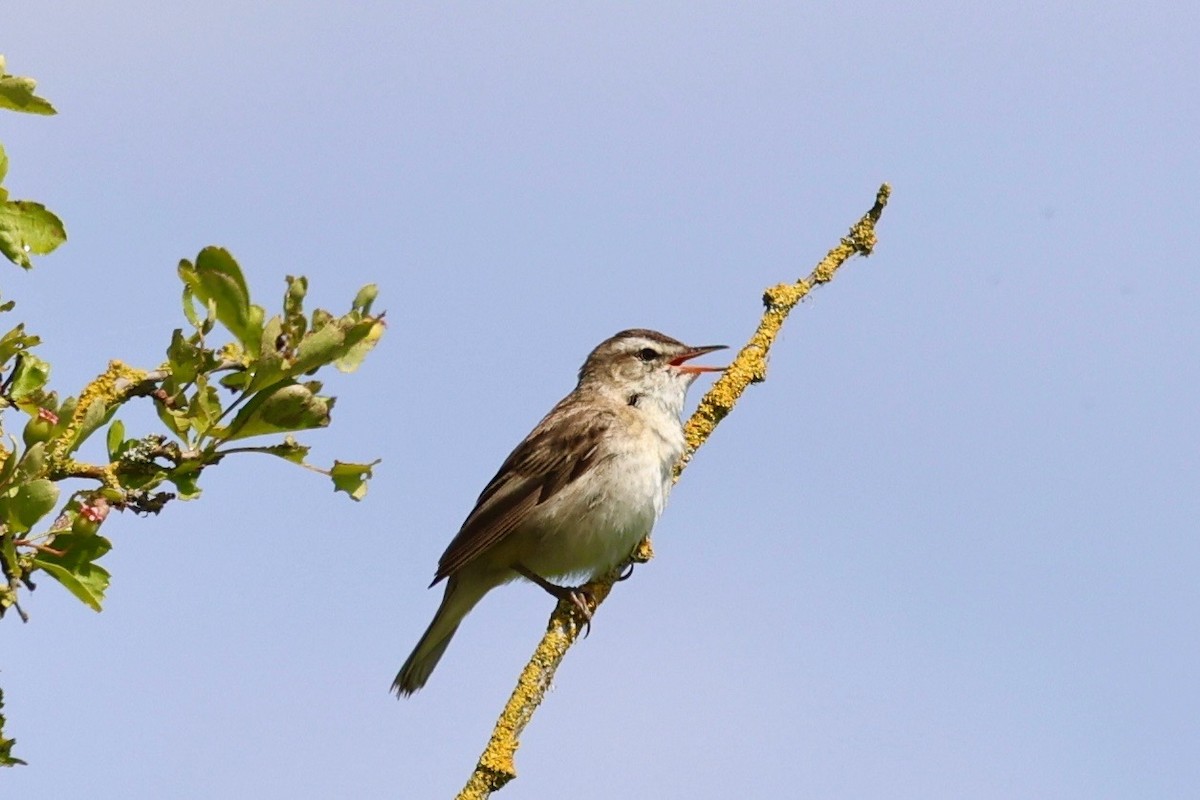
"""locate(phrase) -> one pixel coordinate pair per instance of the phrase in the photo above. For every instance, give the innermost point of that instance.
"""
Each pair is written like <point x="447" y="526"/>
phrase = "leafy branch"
<point x="234" y="382"/>
<point x="255" y="383"/>
<point x="496" y="767"/>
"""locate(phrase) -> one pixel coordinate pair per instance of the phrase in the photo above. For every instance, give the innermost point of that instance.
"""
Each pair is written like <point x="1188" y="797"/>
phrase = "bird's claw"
<point x="581" y="600"/>
<point x="626" y="571"/>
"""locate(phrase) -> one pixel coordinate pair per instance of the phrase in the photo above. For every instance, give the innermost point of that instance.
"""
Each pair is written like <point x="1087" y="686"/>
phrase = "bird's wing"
<point x="559" y="450"/>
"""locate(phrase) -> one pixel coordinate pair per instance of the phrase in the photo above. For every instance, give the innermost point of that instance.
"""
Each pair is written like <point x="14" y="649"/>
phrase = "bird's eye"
<point x="647" y="354"/>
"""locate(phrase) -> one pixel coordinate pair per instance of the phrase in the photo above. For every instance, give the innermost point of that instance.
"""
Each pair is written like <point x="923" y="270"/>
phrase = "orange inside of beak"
<point x="696" y="369"/>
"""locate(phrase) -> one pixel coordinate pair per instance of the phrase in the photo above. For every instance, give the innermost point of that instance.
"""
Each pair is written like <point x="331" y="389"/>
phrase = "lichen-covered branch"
<point x="750" y="366"/>
<point x="108" y="390"/>
<point x="496" y="766"/>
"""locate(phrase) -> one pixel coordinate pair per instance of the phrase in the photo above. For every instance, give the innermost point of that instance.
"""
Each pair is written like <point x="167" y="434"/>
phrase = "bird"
<point x="578" y="494"/>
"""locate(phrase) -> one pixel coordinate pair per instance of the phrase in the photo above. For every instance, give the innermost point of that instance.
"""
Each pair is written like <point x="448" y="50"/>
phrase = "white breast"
<point x="595" y="523"/>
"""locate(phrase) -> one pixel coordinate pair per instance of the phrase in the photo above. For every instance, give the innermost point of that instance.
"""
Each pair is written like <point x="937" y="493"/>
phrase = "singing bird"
<point x="578" y="494"/>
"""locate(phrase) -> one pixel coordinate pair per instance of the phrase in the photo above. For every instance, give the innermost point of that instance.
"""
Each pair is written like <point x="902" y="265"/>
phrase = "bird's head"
<point x="642" y="364"/>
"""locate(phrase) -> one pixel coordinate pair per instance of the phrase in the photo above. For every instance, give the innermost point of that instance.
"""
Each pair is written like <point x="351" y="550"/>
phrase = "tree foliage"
<point x="234" y="381"/>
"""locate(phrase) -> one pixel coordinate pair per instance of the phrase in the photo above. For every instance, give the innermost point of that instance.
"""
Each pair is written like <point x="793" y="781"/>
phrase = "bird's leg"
<point x="576" y="596"/>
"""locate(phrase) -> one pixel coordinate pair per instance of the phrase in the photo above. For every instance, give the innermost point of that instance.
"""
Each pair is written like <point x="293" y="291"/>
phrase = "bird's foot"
<point x="582" y="601"/>
<point x="579" y="597"/>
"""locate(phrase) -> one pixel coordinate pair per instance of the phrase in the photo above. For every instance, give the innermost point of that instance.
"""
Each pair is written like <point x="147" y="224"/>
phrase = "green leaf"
<point x="216" y="278"/>
<point x="30" y="464"/>
<point x="351" y="478"/>
<point x="268" y="368"/>
<point x="143" y="480"/>
<point x="288" y="450"/>
<point x="293" y="301"/>
<point x="75" y="568"/>
<point x="9" y="467"/>
<point x="40" y="228"/>
<point x="342" y="342"/>
<point x="185" y="478"/>
<point x="320" y="318"/>
<point x="205" y="406"/>
<point x="289" y="407"/>
<point x="17" y="94"/>
<point x="318" y="349"/>
<point x="16" y="341"/>
<point x="357" y="352"/>
<point x="237" y="381"/>
<point x="189" y="302"/>
<point x="30" y="503"/>
<point x="66" y="411"/>
<point x="27" y="227"/>
<point x="30" y="377"/>
<point x="272" y="330"/>
<point x="3" y="164"/>
<point x="115" y="438"/>
<point x="174" y="417"/>
<point x="183" y="357"/>
<point x="365" y="297"/>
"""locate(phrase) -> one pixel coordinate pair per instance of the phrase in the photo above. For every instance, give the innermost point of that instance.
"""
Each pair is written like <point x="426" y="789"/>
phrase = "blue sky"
<point x="949" y="549"/>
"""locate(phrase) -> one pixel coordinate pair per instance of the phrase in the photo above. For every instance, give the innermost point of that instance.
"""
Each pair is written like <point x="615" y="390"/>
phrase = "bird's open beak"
<point x="692" y="369"/>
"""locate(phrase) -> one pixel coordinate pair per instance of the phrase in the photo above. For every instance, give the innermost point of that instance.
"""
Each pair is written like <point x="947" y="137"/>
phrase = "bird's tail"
<point x="458" y="600"/>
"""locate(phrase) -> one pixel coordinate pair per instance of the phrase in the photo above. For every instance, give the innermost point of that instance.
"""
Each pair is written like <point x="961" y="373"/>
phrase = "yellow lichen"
<point x="109" y="388"/>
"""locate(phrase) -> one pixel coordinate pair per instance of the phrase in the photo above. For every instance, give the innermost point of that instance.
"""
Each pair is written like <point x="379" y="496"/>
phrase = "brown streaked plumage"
<point x="558" y="451"/>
